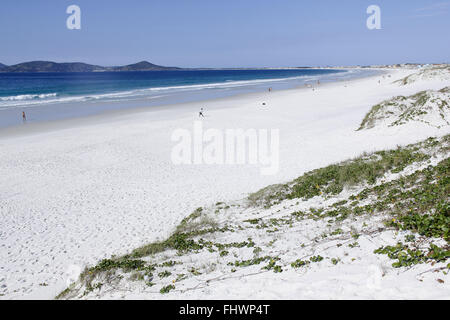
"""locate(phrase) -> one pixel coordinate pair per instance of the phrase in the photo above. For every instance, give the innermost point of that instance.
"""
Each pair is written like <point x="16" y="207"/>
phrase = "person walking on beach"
<point x="24" y="117"/>
<point x="200" y="114"/>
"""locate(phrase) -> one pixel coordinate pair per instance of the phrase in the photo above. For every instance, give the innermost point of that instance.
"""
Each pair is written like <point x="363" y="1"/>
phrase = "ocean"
<point x="52" y="96"/>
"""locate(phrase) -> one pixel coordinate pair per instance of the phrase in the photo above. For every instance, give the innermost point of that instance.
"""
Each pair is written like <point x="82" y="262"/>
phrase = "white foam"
<point x="28" y="97"/>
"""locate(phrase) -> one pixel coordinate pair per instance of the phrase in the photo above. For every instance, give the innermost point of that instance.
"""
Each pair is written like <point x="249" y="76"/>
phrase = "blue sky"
<point x="232" y="33"/>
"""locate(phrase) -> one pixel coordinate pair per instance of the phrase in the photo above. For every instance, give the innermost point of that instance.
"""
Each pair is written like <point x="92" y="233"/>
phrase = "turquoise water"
<point x="49" y="96"/>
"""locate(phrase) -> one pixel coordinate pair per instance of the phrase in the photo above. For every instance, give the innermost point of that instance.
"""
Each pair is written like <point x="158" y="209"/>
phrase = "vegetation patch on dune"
<point x="429" y="107"/>
<point x="331" y="180"/>
<point x="429" y="73"/>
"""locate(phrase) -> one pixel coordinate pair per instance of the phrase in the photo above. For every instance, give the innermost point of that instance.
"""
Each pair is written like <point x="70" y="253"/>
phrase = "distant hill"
<point x="143" y="66"/>
<point x="49" y="66"/>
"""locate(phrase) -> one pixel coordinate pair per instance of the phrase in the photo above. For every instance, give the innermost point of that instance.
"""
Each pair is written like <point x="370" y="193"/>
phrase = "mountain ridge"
<point x="50" y="66"/>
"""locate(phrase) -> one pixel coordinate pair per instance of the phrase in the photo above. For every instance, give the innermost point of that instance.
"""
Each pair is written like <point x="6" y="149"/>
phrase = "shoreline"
<point x="60" y="105"/>
<point x="111" y="115"/>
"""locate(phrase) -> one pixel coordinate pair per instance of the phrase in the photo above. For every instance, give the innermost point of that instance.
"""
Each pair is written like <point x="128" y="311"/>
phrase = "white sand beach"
<point x="75" y="191"/>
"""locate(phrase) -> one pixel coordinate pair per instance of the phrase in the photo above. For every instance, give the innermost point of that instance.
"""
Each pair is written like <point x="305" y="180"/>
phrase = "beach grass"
<point x="417" y="202"/>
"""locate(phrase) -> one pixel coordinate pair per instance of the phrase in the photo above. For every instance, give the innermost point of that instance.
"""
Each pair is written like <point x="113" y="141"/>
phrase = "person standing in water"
<point x="24" y="117"/>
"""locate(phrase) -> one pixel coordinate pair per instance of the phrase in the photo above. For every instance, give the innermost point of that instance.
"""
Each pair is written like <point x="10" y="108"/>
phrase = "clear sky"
<point x="227" y="33"/>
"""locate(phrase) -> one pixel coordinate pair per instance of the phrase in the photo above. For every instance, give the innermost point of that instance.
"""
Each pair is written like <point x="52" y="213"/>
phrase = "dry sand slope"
<point x="79" y="191"/>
